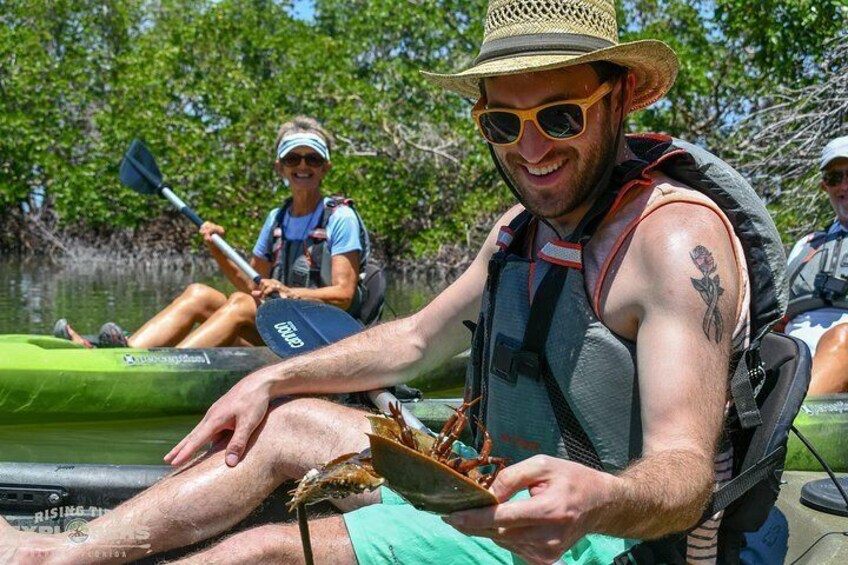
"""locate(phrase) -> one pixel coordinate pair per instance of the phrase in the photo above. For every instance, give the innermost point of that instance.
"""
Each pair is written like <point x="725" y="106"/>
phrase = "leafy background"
<point x="207" y="83"/>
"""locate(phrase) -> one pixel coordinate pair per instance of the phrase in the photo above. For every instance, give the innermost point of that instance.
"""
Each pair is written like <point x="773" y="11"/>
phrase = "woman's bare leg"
<point x="232" y="324"/>
<point x="209" y="497"/>
<point x="195" y="305"/>
<point x="830" y="364"/>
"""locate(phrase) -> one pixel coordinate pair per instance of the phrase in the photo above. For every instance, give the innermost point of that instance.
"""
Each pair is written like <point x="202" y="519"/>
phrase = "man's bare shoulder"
<point x="681" y="259"/>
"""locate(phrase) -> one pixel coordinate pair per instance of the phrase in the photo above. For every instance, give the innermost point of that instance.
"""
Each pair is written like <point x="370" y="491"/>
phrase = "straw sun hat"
<point x="522" y="36"/>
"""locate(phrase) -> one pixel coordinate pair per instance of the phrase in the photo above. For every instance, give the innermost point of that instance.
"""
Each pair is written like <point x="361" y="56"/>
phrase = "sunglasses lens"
<point x="500" y="127"/>
<point x="833" y="178"/>
<point x="561" y="121"/>
<point x="314" y="160"/>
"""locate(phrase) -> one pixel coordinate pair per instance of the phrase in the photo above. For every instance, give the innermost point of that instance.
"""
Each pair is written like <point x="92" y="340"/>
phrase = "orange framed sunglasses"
<point x="563" y="119"/>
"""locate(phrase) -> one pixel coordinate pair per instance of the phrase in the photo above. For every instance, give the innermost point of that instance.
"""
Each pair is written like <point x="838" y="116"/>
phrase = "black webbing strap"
<point x="739" y="485"/>
<point x="748" y="370"/>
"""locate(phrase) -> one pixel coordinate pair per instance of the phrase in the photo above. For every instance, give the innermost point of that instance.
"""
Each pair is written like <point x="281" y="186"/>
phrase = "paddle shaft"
<point x="219" y="242"/>
<point x="382" y="398"/>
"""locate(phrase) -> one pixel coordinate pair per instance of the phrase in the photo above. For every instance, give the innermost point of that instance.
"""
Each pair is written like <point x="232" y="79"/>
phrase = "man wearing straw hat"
<point x="657" y="286"/>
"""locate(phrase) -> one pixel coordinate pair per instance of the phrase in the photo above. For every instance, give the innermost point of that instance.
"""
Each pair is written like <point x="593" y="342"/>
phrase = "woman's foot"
<point x="63" y="330"/>
<point x="112" y="335"/>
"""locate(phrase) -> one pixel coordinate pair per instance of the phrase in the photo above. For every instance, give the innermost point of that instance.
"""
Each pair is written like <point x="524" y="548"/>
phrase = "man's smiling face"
<point x="556" y="179"/>
<point x="838" y="193"/>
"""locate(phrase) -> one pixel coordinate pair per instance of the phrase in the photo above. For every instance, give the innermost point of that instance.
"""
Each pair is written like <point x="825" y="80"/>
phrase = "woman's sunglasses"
<point x="565" y="119"/>
<point x="834" y="178"/>
<point x="312" y="159"/>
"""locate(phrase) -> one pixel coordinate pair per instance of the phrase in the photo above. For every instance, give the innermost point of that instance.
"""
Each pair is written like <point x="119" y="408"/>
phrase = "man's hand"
<point x="540" y="529"/>
<point x="269" y="286"/>
<point x="240" y="410"/>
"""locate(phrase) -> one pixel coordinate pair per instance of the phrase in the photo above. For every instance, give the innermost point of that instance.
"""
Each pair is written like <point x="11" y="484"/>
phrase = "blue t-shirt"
<point x="342" y="230"/>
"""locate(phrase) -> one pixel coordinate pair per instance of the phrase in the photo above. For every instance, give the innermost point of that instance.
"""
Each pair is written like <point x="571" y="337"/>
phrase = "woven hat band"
<point x="541" y="43"/>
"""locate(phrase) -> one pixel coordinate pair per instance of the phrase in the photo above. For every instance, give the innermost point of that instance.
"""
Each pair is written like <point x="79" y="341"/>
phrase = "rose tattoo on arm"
<point x="709" y="287"/>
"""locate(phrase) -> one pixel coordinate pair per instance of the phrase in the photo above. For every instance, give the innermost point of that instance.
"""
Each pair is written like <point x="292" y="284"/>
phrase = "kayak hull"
<point x="45" y="379"/>
<point x="823" y="420"/>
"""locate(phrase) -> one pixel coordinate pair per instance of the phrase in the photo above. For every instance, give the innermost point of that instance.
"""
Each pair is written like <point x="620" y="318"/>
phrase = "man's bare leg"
<point x="232" y="323"/>
<point x="280" y="544"/>
<point x="195" y="305"/>
<point x="830" y="364"/>
<point x="208" y="498"/>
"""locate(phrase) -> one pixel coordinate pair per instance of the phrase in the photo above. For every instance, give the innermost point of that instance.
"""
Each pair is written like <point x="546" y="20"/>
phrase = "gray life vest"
<point x="553" y="378"/>
<point x="307" y="263"/>
<point x="818" y="276"/>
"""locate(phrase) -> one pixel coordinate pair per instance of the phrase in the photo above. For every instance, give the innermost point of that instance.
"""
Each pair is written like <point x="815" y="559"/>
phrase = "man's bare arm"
<point x="690" y="287"/>
<point x="382" y="356"/>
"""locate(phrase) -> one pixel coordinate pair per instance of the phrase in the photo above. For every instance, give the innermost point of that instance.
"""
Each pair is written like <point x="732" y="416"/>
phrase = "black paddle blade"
<point x="139" y="170"/>
<point x="291" y="327"/>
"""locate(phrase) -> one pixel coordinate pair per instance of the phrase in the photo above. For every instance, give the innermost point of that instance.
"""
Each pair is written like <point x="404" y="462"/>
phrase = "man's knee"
<point x="300" y="413"/>
<point x="837" y="336"/>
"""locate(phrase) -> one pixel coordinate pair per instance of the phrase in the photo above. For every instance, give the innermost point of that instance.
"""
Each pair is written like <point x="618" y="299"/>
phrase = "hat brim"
<point x="653" y="62"/>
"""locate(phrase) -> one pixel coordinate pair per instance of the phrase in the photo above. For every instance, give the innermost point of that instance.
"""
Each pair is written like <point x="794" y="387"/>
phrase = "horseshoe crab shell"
<point x="424" y="482"/>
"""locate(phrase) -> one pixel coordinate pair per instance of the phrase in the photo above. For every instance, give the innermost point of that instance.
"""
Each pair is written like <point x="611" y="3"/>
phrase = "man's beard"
<point x="574" y="191"/>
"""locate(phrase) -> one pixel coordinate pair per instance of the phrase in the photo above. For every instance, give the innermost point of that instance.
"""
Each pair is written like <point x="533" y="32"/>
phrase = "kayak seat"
<point x="373" y="285"/>
<point x="757" y="473"/>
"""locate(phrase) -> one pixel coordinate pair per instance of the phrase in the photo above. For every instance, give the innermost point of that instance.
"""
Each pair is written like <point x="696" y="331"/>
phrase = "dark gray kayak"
<point x="46" y="497"/>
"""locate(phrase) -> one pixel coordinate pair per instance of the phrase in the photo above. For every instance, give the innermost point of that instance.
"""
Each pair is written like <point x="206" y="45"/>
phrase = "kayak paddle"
<point x="288" y="327"/>
<point x="140" y="173"/>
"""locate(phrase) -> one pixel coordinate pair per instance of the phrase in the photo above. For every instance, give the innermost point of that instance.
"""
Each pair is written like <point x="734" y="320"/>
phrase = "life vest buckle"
<point x="318" y="233"/>
<point x="509" y="360"/>
<point x="527" y="364"/>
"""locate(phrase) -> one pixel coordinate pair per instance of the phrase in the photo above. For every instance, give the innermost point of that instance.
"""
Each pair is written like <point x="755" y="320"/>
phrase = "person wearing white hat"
<point x="818" y="278"/>
<point x="610" y="267"/>
<point x="312" y="247"/>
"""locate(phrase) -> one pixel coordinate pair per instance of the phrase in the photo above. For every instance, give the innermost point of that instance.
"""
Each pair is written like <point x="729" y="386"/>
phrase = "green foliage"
<point x="206" y="84"/>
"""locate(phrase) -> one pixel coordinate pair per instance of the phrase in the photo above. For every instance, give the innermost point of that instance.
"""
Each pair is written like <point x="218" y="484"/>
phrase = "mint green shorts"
<point x="393" y="532"/>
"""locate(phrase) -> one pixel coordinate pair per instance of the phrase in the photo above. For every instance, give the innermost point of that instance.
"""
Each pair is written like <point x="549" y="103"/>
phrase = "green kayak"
<point x="823" y="420"/>
<point x="45" y="379"/>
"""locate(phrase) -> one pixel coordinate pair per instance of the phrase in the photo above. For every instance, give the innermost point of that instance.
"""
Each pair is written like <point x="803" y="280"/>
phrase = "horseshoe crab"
<point x="423" y="470"/>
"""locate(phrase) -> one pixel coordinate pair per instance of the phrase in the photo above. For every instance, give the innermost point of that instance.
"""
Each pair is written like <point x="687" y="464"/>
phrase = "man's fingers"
<point x="513" y="514"/>
<point x="238" y="443"/>
<point x="179" y="447"/>
<point x="516" y="477"/>
<point x="192" y="442"/>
